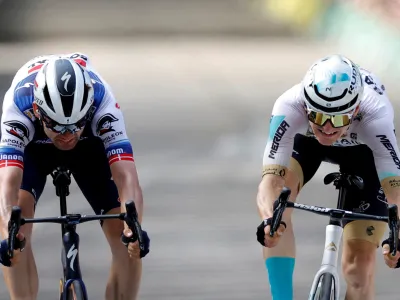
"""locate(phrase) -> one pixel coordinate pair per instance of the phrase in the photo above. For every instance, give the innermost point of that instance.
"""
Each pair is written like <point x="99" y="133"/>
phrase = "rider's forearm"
<point x="268" y="191"/>
<point x="391" y="188"/>
<point x="128" y="188"/>
<point x="10" y="182"/>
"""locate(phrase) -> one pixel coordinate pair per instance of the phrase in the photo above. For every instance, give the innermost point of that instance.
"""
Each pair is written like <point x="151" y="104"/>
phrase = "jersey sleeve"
<point x="17" y="131"/>
<point x="288" y="118"/>
<point x="109" y="125"/>
<point x="378" y="133"/>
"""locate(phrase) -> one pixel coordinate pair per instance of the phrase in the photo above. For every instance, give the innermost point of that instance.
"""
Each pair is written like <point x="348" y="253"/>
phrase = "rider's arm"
<point x="378" y="132"/>
<point x="125" y="176"/>
<point x="16" y="132"/>
<point x="288" y="118"/>
<point x="10" y="181"/>
<point x="108" y="124"/>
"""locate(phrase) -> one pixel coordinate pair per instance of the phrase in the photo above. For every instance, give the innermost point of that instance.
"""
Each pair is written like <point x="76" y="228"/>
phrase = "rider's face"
<point x="327" y="134"/>
<point x="66" y="141"/>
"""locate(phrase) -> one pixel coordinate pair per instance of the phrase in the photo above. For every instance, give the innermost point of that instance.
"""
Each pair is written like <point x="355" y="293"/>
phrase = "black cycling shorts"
<point x="357" y="160"/>
<point x="89" y="166"/>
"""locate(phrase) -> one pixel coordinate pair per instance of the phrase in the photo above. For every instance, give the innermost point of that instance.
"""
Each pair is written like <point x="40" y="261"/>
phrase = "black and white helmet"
<point x="333" y="85"/>
<point x="63" y="91"/>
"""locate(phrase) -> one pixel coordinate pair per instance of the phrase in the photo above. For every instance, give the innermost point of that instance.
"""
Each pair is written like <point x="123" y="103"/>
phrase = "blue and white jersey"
<point x="19" y="126"/>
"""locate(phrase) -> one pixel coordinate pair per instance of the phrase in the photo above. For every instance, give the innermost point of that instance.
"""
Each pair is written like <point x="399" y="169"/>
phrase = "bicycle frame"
<point x="334" y="229"/>
<point x="333" y="236"/>
<point x="70" y="238"/>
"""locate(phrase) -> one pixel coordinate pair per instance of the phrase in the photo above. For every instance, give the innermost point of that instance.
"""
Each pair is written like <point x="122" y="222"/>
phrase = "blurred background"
<point x="196" y="81"/>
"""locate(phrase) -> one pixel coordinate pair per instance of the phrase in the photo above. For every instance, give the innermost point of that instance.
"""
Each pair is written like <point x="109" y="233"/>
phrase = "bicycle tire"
<point x="326" y="287"/>
<point x="75" y="291"/>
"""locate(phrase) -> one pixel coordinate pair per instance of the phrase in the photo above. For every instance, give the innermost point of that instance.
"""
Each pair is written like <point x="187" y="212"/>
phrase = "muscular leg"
<point x="358" y="258"/>
<point x="280" y="259"/>
<point x="125" y="273"/>
<point x="22" y="279"/>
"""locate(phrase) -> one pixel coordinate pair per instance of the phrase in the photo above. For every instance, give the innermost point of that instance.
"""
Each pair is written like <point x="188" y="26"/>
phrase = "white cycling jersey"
<point x="373" y="126"/>
<point x="19" y="126"/>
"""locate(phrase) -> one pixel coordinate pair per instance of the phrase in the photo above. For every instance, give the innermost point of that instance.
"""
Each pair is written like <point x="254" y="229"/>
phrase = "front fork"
<point x="333" y="236"/>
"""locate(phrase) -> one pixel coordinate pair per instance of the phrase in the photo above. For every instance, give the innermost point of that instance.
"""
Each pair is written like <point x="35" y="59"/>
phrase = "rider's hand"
<point x="271" y="242"/>
<point x="4" y="259"/>
<point x="263" y="231"/>
<point x="133" y="244"/>
<point x="390" y="261"/>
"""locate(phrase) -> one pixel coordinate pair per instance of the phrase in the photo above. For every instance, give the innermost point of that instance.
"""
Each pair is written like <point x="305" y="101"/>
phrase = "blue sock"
<point x="280" y="275"/>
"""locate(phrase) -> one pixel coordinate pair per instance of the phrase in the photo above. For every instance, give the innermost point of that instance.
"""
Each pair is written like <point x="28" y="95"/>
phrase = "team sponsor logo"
<point x="104" y="125"/>
<point x="11" y="157"/>
<point x="354" y="75"/>
<point x="17" y="129"/>
<point x="394" y="183"/>
<point x="13" y="142"/>
<point x="275" y="170"/>
<point x="118" y="154"/>
<point x="388" y="145"/>
<point x="11" y="160"/>
<point x="362" y="207"/>
<point x="110" y="138"/>
<point x="278" y="127"/>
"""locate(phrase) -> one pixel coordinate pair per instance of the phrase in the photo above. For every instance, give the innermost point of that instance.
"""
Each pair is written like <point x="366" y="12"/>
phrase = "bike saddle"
<point x="344" y="180"/>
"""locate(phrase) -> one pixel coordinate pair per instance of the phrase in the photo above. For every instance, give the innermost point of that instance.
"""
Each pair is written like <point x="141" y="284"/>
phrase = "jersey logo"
<point x="66" y="78"/>
<point x="72" y="253"/>
<point x="17" y="129"/>
<point x="26" y="85"/>
<point x="104" y="125"/>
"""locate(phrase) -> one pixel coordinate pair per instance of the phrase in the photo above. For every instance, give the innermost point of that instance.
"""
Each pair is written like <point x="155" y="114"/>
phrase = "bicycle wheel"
<point x="327" y="288"/>
<point x="75" y="291"/>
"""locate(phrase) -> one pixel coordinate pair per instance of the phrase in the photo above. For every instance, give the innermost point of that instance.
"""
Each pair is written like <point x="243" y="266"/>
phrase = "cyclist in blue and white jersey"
<point x="340" y="114"/>
<point x="60" y="111"/>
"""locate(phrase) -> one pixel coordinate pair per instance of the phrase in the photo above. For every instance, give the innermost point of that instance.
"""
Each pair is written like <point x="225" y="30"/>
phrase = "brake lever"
<point x="14" y="225"/>
<point x="131" y="219"/>
<point x="279" y="207"/>
<point x="393" y="228"/>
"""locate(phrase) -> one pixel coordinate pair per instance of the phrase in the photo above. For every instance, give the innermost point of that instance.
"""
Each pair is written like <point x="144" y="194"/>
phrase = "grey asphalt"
<point x="197" y="114"/>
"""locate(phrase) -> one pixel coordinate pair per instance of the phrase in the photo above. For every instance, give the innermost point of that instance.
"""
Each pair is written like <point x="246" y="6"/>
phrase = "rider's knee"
<point x="358" y="262"/>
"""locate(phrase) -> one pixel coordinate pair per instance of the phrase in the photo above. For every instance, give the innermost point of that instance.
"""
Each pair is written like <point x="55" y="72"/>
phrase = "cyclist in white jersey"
<point x="341" y="114"/>
<point x="59" y="110"/>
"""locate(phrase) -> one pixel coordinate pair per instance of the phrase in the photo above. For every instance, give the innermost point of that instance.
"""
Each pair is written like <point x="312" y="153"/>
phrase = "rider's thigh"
<point x="306" y="158"/>
<point x="91" y="171"/>
<point x="39" y="159"/>
<point x="370" y="231"/>
<point x="359" y="160"/>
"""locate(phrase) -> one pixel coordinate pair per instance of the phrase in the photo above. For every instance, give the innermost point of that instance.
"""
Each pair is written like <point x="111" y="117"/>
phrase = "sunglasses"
<point x="61" y="129"/>
<point x="337" y="121"/>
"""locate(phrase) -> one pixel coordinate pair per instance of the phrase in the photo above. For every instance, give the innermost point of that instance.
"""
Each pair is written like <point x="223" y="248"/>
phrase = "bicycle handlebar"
<point x="392" y="219"/>
<point x="130" y="217"/>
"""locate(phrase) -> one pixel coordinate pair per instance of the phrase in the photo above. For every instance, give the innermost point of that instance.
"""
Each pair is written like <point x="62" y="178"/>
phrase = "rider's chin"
<point x="65" y="145"/>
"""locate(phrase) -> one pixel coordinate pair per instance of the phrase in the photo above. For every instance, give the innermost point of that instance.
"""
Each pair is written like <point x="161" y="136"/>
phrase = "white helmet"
<point x="63" y="91"/>
<point x="333" y="85"/>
